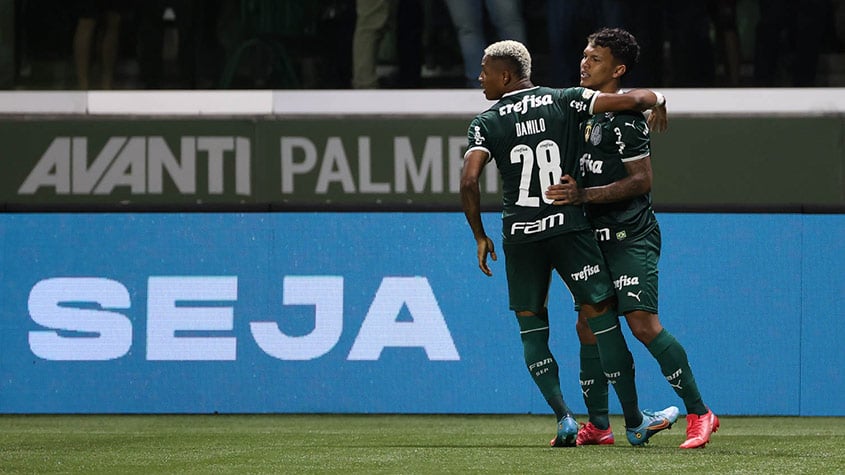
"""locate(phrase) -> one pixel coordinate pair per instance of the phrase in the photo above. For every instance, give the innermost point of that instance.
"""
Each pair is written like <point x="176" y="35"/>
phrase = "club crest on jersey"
<point x="595" y="136"/>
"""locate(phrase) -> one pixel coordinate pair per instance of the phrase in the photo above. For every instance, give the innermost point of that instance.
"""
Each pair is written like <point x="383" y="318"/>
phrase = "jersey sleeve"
<point x="632" y="136"/>
<point x="477" y="137"/>
<point x="580" y="100"/>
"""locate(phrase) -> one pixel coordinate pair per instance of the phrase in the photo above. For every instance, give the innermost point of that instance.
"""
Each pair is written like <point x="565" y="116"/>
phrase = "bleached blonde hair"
<point x="513" y="51"/>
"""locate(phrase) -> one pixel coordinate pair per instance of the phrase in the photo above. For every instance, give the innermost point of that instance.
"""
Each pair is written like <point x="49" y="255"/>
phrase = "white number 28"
<point x="546" y="156"/>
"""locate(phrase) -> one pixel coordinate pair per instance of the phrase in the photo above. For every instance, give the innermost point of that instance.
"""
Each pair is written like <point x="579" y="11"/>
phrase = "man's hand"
<point x="485" y="246"/>
<point x="658" y="120"/>
<point x="566" y="192"/>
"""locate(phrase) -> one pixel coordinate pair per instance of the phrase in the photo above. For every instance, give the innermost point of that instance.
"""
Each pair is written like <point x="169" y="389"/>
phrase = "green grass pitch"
<point x="393" y="444"/>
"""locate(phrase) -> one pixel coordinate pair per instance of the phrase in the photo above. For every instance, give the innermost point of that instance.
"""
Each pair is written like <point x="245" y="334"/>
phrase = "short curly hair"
<point x="622" y="45"/>
<point x="513" y="52"/>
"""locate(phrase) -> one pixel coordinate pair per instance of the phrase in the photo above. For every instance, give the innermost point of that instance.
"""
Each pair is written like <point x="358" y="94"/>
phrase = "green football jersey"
<point x="533" y="136"/>
<point x="611" y="139"/>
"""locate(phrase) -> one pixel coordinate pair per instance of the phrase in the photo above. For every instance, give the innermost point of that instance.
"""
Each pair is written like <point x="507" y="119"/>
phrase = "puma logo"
<point x="635" y="295"/>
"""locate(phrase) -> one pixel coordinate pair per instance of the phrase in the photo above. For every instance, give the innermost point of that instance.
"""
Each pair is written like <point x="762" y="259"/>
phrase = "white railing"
<point x="445" y="102"/>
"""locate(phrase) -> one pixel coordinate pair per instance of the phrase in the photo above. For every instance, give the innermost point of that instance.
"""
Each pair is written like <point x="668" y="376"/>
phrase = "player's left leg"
<point x="593" y="382"/>
<point x="529" y="276"/>
<point x="618" y="365"/>
<point x="541" y="363"/>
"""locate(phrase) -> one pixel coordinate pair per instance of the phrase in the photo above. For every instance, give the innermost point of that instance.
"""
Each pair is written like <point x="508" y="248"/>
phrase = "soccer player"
<point x="532" y="134"/>
<point x="616" y="173"/>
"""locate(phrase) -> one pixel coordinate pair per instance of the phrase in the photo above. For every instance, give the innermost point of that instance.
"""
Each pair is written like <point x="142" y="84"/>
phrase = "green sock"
<point x="675" y="367"/>
<point x="618" y="364"/>
<point x="534" y="331"/>
<point x="594" y="386"/>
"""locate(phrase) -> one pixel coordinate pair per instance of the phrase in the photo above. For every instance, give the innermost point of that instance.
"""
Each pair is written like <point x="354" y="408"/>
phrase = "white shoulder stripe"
<point x="635" y="158"/>
<point x="478" y="147"/>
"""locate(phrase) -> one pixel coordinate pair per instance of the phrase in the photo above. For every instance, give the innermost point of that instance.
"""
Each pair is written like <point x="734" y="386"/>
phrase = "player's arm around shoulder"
<point x="638" y="100"/>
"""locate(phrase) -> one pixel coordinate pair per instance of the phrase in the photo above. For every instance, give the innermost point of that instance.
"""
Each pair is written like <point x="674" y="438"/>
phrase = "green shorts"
<point x="633" y="268"/>
<point x="575" y="256"/>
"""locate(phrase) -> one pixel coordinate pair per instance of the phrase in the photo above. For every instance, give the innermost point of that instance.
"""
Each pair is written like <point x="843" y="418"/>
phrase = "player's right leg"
<point x="699" y="429"/>
<point x="581" y="266"/>
<point x="674" y="364"/>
